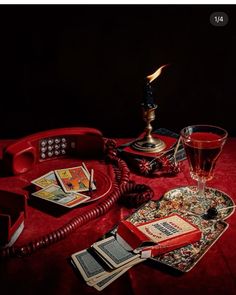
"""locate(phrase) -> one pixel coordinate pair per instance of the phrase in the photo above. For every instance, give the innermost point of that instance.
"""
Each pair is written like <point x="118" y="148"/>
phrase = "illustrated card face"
<point x="55" y="194"/>
<point x="113" y="252"/>
<point x="46" y="180"/>
<point x="75" y="179"/>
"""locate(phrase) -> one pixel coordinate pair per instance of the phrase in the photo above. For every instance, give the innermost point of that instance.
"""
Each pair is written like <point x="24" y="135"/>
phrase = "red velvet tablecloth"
<point x="49" y="271"/>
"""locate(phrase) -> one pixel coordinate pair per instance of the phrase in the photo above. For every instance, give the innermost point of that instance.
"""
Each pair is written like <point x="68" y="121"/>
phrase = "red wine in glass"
<point x="203" y="145"/>
<point x="202" y="150"/>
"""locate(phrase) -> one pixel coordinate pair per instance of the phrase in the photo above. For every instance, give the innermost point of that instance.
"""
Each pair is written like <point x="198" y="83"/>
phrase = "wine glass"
<point x="203" y="145"/>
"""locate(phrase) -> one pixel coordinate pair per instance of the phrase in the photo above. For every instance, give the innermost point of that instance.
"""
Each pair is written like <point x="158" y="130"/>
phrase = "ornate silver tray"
<point x="185" y="258"/>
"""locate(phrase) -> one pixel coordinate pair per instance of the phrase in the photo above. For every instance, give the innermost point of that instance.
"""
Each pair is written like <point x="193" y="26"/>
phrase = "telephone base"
<point x="14" y="237"/>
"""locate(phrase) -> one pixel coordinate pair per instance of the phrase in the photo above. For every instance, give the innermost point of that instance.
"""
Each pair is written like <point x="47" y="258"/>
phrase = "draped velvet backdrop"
<point x="73" y="65"/>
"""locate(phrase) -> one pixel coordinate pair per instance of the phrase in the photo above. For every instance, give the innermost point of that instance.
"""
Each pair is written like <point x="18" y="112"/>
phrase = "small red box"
<point x="157" y="236"/>
<point x="12" y="216"/>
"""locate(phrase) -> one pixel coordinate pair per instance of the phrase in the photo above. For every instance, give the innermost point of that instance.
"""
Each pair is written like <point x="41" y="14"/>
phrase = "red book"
<point x="157" y="236"/>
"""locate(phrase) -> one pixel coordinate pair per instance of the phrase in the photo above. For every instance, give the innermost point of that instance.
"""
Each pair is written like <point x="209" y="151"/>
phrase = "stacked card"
<point x="104" y="262"/>
<point x="64" y="186"/>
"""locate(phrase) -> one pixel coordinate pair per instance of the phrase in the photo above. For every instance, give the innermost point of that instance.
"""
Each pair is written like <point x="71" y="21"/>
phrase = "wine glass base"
<point x="186" y="199"/>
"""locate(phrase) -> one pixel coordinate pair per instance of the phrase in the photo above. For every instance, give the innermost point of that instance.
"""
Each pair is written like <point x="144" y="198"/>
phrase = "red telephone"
<point x="22" y="155"/>
<point x="26" y="153"/>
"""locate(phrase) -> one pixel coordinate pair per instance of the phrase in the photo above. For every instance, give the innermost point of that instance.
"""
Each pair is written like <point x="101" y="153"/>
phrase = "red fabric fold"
<point x="48" y="271"/>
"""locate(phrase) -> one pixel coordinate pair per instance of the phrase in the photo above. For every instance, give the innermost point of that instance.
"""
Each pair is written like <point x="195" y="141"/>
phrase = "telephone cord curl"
<point x="123" y="188"/>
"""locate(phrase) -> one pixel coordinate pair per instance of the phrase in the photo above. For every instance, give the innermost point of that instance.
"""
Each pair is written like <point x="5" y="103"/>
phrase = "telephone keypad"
<point x="57" y="153"/>
<point x="50" y="154"/>
<point x="50" y="147"/>
<point x="43" y="142"/>
<point x="43" y="156"/>
<point x="50" y="141"/>
<point x="43" y="149"/>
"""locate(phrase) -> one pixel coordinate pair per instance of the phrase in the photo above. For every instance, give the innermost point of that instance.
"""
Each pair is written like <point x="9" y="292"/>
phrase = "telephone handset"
<point x="25" y="153"/>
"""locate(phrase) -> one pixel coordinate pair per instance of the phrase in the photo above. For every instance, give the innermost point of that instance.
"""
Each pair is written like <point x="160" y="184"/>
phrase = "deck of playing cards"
<point x="64" y="186"/>
<point x="130" y="244"/>
<point x="104" y="262"/>
<point x="157" y="236"/>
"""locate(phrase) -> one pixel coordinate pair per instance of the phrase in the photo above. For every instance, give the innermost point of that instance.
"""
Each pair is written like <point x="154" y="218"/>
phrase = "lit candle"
<point x="148" y="101"/>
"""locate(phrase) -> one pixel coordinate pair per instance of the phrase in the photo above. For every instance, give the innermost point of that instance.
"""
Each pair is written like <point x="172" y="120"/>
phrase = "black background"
<point x="76" y="65"/>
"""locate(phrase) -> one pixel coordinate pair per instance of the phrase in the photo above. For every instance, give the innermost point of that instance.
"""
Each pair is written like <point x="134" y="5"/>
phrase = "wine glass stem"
<point x="201" y="188"/>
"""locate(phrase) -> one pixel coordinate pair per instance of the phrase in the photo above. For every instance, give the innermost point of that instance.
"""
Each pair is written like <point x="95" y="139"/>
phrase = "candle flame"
<point x="156" y="74"/>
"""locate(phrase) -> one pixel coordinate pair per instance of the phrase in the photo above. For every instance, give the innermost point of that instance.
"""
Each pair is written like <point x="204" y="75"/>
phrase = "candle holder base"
<point x="152" y="145"/>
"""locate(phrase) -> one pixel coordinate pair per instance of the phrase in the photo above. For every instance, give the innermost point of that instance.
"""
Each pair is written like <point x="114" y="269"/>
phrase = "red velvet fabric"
<point x="48" y="271"/>
<point x="169" y="142"/>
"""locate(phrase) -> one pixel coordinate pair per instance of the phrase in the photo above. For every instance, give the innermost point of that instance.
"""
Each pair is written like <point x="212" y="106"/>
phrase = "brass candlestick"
<point x="148" y="143"/>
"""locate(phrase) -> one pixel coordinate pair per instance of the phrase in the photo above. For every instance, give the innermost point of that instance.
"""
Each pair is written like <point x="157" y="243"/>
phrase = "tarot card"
<point x="88" y="265"/>
<point x="113" y="252"/>
<point x="55" y="194"/>
<point x="46" y="180"/>
<point x="75" y="179"/>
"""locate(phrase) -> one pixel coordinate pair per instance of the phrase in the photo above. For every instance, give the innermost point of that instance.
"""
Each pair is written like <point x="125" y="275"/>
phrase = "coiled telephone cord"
<point x="123" y="187"/>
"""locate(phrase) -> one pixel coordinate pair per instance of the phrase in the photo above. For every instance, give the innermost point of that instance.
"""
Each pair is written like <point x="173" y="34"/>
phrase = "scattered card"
<point x="55" y="194"/>
<point x="75" y="179"/>
<point x="45" y="180"/>
<point x="98" y="279"/>
<point x="95" y="263"/>
<point x="113" y="252"/>
<point x="109" y="279"/>
<point x="103" y="260"/>
<point x="88" y="265"/>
